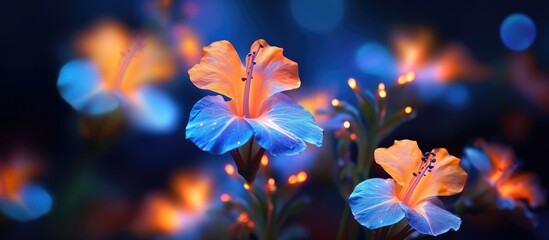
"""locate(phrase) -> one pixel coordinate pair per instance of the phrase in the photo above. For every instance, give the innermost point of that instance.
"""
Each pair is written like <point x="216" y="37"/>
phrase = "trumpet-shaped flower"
<point x="19" y="199"/>
<point x="116" y="71"/>
<point x="498" y="185"/>
<point x="258" y="117"/>
<point x="417" y="180"/>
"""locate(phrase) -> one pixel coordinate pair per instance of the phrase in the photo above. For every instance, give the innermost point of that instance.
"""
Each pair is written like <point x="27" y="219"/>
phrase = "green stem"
<point x="343" y="222"/>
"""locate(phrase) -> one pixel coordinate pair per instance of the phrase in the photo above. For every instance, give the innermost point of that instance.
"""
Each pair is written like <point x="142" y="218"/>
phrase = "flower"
<point x="117" y="70"/>
<point x="258" y="117"/>
<point x="411" y="194"/>
<point x="498" y="186"/>
<point x="20" y="199"/>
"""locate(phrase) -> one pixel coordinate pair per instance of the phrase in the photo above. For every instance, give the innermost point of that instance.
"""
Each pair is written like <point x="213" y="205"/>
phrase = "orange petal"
<point x="103" y="43"/>
<point x="221" y="71"/>
<point x="153" y="62"/>
<point x="447" y="178"/>
<point x="501" y="158"/>
<point x="400" y="160"/>
<point x="523" y="186"/>
<point x="273" y="73"/>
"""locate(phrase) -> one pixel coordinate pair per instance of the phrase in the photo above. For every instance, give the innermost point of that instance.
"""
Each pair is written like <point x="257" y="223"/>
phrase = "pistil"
<point x="126" y="59"/>
<point x="426" y="165"/>
<point x="250" y="63"/>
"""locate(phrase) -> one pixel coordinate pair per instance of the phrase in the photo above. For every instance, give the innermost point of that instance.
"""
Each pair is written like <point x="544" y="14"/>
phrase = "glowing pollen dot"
<point x="247" y="186"/>
<point x="408" y="110"/>
<point x="347" y="124"/>
<point x="229" y="169"/>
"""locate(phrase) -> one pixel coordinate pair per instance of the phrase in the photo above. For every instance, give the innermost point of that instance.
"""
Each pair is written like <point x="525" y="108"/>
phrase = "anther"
<point x="261" y="45"/>
<point x="433" y="160"/>
<point x="424" y="159"/>
<point x="243" y="79"/>
<point x="415" y="174"/>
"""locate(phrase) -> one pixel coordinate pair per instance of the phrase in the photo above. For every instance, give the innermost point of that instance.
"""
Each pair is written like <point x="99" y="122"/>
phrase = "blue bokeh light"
<point x="375" y="59"/>
<point x="518" y="32"/>
<point x="317" y="15"/>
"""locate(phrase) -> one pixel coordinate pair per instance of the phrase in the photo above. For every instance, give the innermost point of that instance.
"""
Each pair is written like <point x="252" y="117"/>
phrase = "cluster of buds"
<point x="267" y="204"/>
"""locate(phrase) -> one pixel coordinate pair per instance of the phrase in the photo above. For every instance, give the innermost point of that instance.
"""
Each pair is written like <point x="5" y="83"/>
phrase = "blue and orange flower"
<point x="117" y="69"/>
<point x="498" y="185"/>
<point x="19" y="198"/>
<point x="411" y="194"/>
<point x="258" y="117"/>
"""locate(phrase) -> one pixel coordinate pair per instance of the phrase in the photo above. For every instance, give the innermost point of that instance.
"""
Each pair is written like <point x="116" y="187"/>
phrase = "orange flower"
<point x="258" y="117"/>
<point x="497" y="167"/>
<point x="417" y="180"/>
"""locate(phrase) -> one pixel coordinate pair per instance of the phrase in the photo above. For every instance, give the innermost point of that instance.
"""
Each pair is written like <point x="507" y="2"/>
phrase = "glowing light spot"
<point x="264" y="161"/>
<point x="271" y="184"/>
<point x="381" y="86"/>
<point x="335" y="102"/>
<point x="271" y="181"/>
<point x="518" y="32"/>
<point x="401" y="80"/>
<point x="243" y="218"/>
<point x="352" y="83"/>
<point x="346" y="124"/>
<point x="292" y="179"/>
<point x="382" y="94"/>
<point x="247" y="186"/>
<point x="301" y="177"/>
<point x="225" y="197"/>
<point x="410" y="76"/>
<point x="317" y="15"/>
<point x="352" y="137"/>
<point x="229" y="169"/>
<point x="408" y="110"/>
<point x="251" y="224"/>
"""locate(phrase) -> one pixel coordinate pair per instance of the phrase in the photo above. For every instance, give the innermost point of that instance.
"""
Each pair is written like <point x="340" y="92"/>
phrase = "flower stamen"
<point x="126" y="58"/>
<point x="250" y="63"/>
<point x="425" y="167"/>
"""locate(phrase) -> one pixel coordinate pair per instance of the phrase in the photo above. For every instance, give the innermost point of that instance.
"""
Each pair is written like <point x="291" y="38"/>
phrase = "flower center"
<point x="425" y="167"/>
<point x="250" y="63"/>
<point x="126" y="58"/>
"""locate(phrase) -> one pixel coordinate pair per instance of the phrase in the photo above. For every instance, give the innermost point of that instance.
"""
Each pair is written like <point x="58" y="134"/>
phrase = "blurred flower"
<point x="497" y="185"/>
<point x="411" y="194"/>
<point x="117" y="70"/>
<point x="529" y="79"/>
<point x="188" y="44"/>
<point x="178" y="213"/>
<point x="19" y="198"/>
<point x="258" y="117"/>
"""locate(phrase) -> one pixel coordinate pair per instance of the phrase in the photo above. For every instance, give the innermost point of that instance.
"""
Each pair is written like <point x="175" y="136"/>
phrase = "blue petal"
<point x="374" y="205"/>
<point x="80" y="85"/>
<point x="477" y="159"/>
<point x="214" y="128"/>
<point x="284" y="126"/>
<point x="152" y="110"/>
<point x="429" y="218"/>
<point x="33" y="202"/>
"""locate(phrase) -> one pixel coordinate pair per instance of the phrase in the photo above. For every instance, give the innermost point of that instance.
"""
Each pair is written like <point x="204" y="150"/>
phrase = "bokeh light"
<point x="518" y="32"/>
<point x="317" y="15"/>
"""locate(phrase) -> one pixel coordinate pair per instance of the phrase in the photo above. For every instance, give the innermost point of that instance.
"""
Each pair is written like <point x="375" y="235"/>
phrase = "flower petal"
<point x="80" y="85"/>
<point x="284" y="126"/>
<point x="214" y="128"/>
<point x="502" y="158"/>
<point x="477" y="159"/>
<point x="152" y="110"/>
<point x="523" y="186"/>
<point x="400" y="160"/>
<point x="374" y="205"/>
<point x="32" y="202"/>
<point x="221" y="71"/>
<point x="272" y="74"/>
<point x="447" y="178"/>
<point x="429" y="218"/>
